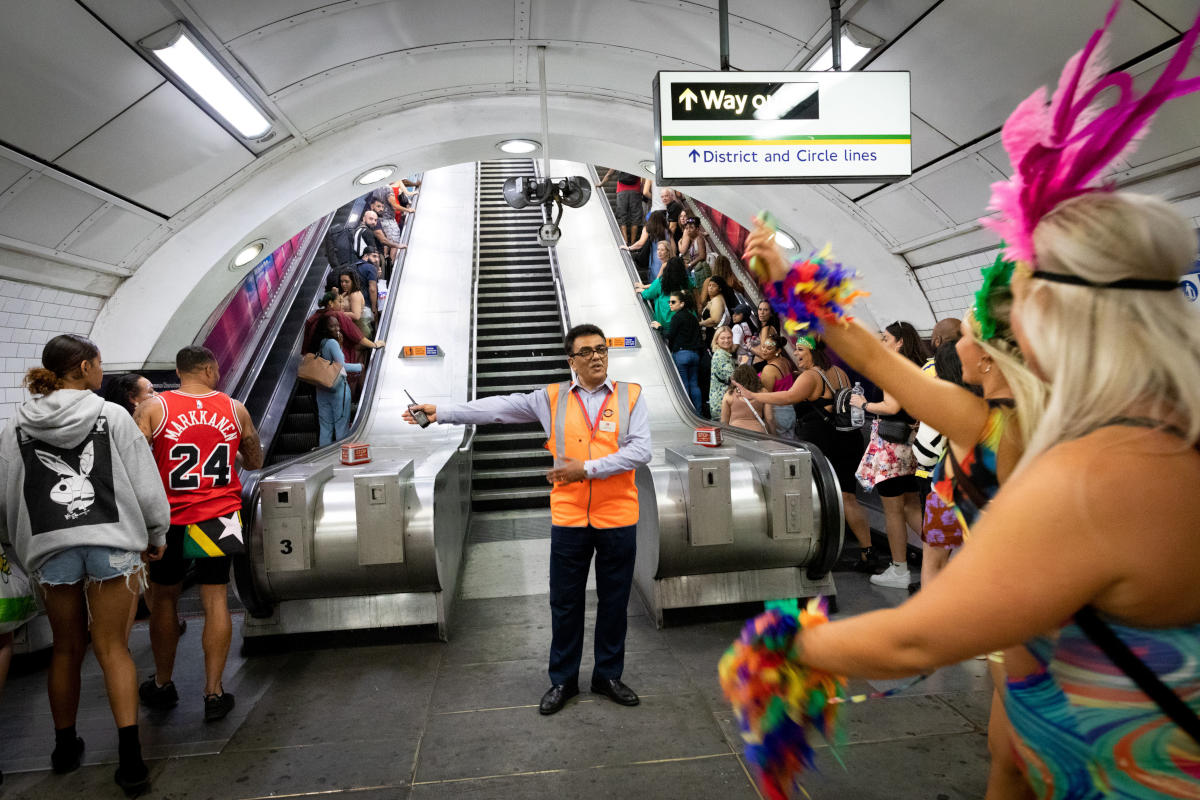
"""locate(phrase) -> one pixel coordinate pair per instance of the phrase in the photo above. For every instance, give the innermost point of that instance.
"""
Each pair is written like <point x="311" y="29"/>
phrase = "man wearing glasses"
<point x="599" y="433"/>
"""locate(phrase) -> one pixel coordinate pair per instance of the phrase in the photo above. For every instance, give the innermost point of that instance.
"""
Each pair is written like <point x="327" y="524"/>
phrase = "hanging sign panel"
<point x="781" y="127"/>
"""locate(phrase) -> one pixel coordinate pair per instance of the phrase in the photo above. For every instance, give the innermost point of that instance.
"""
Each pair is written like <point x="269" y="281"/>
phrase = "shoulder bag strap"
<point x="1119" y="653"/>
<point x="963" y="481"/>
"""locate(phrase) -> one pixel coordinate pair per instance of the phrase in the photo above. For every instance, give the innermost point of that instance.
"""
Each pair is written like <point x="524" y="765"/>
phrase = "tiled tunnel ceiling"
<point x="102" y="158"/>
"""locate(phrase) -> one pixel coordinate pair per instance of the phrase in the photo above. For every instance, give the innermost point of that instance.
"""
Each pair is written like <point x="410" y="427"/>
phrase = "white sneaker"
<point x="893" y="577"/>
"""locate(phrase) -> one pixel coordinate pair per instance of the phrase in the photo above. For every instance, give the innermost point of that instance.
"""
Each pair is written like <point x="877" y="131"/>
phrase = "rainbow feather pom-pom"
<point x="815" y="293"/>
<point x="777" y="699"/>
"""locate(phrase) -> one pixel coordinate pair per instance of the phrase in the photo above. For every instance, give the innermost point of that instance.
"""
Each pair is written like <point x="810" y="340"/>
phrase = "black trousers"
<point x="571" y="552"/>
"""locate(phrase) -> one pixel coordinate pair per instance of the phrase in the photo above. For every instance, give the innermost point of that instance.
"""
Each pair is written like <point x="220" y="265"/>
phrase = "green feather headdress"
<point x="997" y="276"/>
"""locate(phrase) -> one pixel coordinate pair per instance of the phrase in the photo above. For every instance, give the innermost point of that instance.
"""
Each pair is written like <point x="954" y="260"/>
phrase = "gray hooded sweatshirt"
<point x="74" y="471"/>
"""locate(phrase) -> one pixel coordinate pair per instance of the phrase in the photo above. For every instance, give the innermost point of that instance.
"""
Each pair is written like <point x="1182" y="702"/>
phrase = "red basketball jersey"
<point x="194" y="447"/>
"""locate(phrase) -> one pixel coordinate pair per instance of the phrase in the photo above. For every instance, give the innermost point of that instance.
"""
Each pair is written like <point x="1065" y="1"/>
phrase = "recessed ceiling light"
<point x="785" y="241"/>
<point x="375" y="175"/>
<point x="647" y="165"/>
<point x="248" y="254"/>
<point x="518" y="146"/>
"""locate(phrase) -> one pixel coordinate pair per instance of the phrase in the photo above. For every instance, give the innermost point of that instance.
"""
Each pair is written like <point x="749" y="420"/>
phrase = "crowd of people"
<point x="342" y="329"/>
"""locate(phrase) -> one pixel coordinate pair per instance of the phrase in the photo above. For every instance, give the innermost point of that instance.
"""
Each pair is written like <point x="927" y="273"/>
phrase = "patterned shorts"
<point x="940" y="527"/>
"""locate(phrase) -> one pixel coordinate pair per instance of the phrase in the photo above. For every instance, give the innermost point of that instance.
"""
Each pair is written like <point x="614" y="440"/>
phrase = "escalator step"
<point x="299" y="421"/>
<point x="492" y="429"/>
<point x="296" y="443"/>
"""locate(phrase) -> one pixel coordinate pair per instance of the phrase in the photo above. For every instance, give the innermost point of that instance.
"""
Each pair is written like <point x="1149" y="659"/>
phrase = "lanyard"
<point x="592" y="426"/>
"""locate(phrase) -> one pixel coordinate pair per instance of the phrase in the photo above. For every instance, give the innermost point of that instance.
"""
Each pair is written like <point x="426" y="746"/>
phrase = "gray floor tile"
<point x="719" y="776"/>
<point x="513" y="642"/>
<point x="375" y="762"/>
<point x="320" y="697"/>
<point x="975" y="706"/>
<point x="503" y="684"/>
<point x="948" y="767"/>
<point x="588" y="732"/>
<point x="897" y="717"/>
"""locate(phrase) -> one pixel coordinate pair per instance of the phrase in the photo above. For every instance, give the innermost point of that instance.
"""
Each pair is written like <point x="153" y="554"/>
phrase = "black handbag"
<point x="895" y="431"/>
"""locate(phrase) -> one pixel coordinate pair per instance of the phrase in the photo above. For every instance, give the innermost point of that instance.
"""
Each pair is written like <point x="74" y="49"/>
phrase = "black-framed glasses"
<point x="588" y="352"/>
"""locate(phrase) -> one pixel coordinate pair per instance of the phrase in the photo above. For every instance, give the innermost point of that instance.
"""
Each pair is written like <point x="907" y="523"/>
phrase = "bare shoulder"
<point x="1113" y="475"/>
<point x="243" y="416"/>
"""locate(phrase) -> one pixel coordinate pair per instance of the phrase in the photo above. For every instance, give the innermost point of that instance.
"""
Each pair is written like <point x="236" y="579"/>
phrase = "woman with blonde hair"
<point x="723" y="364"/>
<point x="1103" y="695"/>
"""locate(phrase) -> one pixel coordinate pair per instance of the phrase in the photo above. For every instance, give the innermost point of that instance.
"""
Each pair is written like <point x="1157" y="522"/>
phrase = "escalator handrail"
<point x="748" y="281"/>
<point x="827" y="487"/>
<point x="252" y="479"/>
<point x="242" y="383"/>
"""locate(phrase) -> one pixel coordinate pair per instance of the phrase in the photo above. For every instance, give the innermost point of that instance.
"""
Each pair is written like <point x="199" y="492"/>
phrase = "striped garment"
<point x="1085" y="730"/>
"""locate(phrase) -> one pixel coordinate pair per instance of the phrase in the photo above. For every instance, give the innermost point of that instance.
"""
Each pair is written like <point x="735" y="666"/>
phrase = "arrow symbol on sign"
<point x="694" y="154"/>
<point x="687" y="98"/>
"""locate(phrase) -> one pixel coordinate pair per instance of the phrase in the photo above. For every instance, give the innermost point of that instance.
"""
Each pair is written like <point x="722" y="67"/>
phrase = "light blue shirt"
<point x="633" y="446"/>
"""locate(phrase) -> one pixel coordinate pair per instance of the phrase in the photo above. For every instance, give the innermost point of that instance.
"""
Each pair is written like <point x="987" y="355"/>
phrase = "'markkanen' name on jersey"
<point x="181" y="422"/>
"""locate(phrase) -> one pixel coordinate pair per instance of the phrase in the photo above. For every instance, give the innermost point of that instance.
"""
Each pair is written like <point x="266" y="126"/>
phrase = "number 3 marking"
<point x="287" y="546"/>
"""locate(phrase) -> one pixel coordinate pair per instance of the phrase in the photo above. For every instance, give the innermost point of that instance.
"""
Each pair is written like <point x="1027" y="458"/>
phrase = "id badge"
<point x="608" y="426"/>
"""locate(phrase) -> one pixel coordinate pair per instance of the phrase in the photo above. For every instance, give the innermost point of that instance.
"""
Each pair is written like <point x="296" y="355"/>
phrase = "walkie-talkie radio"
<point x="418" y="415"/>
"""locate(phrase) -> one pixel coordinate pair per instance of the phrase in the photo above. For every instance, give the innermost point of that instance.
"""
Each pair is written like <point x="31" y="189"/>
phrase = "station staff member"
<point x="599" y="431"/>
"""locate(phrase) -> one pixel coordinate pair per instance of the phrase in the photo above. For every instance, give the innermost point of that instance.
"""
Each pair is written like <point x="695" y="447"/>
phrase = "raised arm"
<point x="949" y="408"/>
<point x="804" y="387"/>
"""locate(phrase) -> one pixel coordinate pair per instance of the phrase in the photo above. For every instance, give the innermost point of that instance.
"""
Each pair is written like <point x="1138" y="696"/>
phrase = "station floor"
<point x="420" y="720"/>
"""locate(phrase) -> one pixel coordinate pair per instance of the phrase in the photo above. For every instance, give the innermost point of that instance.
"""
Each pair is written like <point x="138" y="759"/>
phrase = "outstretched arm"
<point x="1005" y="588"/>
<point x="949" y="408"/>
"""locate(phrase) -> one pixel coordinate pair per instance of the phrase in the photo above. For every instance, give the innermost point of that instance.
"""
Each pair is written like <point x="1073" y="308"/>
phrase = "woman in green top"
<point x="674" y="278"/>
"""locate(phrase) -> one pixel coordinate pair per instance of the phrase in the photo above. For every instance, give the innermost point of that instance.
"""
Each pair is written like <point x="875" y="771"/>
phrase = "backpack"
<point x="339" y="247"/>
<point x="627" y="178"/>
<point x="838" y="412"/>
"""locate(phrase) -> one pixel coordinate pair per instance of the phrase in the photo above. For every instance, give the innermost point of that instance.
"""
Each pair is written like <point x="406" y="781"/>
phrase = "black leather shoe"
<point x="616" y="691"/>
<point x="557" y="697"/>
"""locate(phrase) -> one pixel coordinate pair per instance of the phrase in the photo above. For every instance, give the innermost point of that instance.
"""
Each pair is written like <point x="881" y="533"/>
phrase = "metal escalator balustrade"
<point x="518" y="344"/>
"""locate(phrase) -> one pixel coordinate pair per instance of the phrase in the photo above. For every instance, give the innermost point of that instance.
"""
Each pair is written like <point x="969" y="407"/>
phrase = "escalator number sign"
<point x="286" y="549"/>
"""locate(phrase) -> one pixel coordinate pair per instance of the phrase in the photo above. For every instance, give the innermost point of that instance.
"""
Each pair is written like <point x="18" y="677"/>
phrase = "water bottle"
<point x="857" y="415"/>
<point x="381" y="285"/>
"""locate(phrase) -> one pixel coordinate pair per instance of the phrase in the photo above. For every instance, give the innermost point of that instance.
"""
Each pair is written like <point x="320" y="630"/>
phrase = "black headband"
<point x="1144" y="284"/>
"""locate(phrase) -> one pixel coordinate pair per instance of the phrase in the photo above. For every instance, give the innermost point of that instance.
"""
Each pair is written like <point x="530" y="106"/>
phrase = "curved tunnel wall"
<point x="189" y="273"/>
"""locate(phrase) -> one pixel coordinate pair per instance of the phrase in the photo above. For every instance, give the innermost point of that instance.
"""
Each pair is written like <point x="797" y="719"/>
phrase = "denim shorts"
<point x="90" y="563"/>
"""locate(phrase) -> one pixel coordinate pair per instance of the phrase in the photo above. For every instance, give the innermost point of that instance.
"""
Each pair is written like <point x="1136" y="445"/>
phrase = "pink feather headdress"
<point x="1059" y="150"/>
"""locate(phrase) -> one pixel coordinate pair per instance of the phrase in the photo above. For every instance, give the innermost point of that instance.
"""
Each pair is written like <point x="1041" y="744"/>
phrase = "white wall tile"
<point x="31" y="315"/>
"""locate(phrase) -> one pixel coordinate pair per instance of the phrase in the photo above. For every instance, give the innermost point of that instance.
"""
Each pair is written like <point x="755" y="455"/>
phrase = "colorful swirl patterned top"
<point x="978" y="466"/>
<point x="1085" y="730"/>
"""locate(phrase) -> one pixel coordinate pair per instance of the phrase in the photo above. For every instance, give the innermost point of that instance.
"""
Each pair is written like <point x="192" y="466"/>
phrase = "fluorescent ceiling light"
<point x="518" y="146"/>
<point x="249" y="253"/>
<point x="184" y="56"/>
<point x="375" y="175"/>
<point x="856" y="43"/>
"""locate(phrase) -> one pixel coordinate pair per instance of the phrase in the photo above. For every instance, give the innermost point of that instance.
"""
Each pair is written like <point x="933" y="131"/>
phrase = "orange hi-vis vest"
<point x="610" y="502"/>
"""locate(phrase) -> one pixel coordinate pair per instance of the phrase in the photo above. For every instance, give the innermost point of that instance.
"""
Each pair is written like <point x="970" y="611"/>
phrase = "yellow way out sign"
<point x="780" y="127"/>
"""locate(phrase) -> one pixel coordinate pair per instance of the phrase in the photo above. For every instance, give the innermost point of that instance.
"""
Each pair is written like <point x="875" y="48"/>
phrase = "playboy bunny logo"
<point x="73" y="490"/>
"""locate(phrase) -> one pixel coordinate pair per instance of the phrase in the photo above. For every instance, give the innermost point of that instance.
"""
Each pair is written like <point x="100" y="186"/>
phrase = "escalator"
<point x="518" y="346"/>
